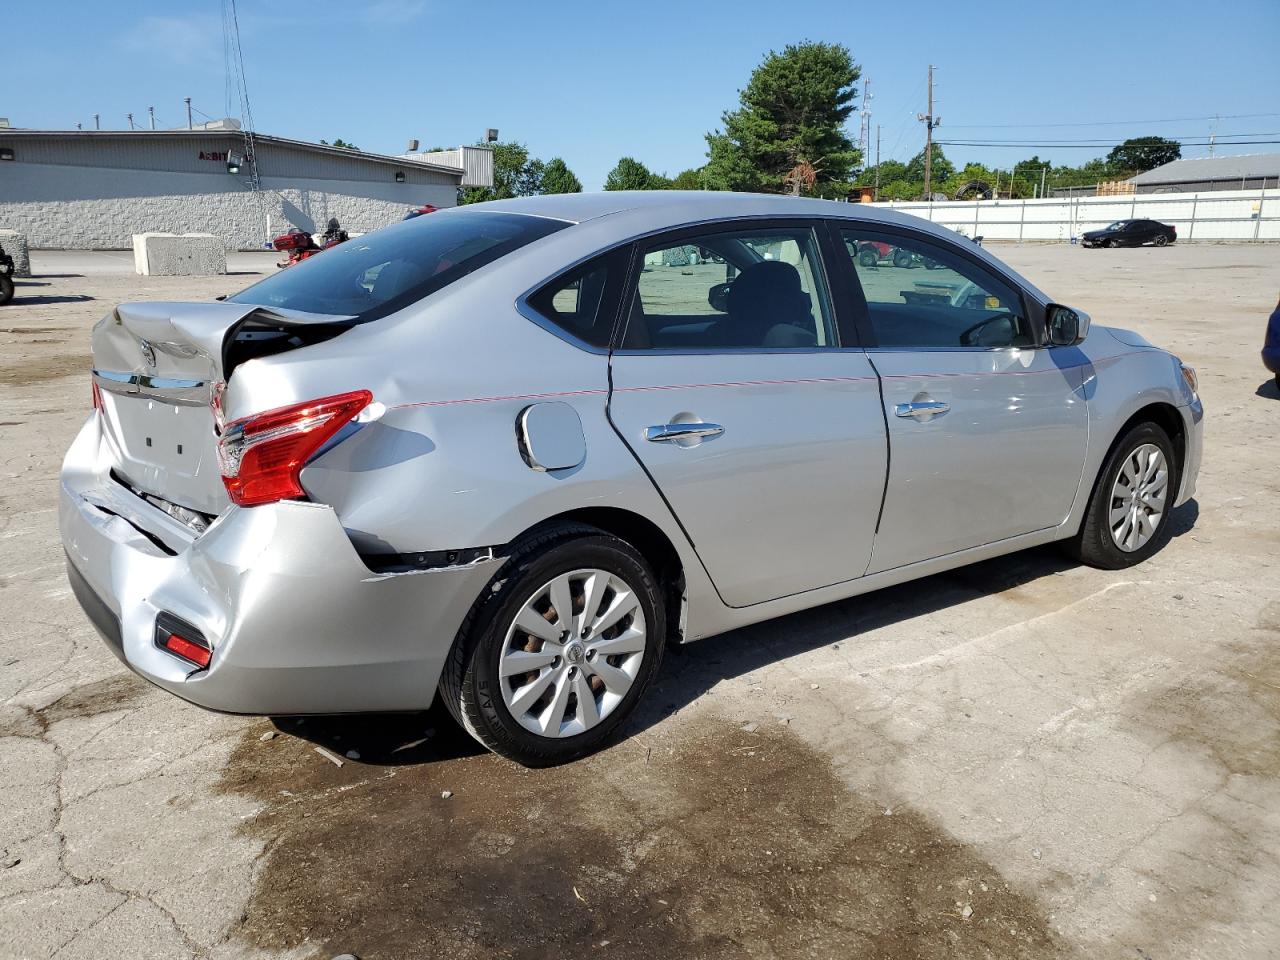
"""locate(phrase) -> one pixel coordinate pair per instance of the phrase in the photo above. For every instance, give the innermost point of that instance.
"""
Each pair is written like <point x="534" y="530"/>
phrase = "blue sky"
<point x="595" y="81"/>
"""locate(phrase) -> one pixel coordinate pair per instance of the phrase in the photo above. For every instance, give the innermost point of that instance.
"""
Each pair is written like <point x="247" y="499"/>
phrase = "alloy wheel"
<point x="1138" y="498"/>
<point x="572" y="653"/>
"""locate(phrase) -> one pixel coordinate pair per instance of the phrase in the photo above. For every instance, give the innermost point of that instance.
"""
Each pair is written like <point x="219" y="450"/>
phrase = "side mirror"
<point x="1066" y="327"/>
<point x="718" y="297"/>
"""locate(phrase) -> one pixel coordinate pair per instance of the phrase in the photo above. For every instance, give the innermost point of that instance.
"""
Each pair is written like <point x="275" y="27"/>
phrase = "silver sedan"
<point x="506" y="453"/>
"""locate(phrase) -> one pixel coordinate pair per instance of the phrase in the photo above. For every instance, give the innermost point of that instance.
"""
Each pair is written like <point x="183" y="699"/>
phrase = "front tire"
<point x="1128" y="514"/>
<point x="868" y="257"/>
<point x="542" y="685"/>
<point x="901" y="259"/>
<point x="6" y="288"/>
<point x="1110" y="244"/>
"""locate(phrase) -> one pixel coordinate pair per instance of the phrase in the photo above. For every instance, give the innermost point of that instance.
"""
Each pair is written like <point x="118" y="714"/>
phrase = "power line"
<point x="1106" y="123"/>
<point x="1089" y="146"/>
<point x="1106" y="141"/>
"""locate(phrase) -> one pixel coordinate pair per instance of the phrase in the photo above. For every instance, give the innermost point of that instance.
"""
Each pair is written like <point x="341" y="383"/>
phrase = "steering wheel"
<point x="969" y="336"/>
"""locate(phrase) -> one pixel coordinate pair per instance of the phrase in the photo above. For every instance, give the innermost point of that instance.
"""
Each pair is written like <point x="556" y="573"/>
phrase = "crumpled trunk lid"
<point x="157" y="366"/>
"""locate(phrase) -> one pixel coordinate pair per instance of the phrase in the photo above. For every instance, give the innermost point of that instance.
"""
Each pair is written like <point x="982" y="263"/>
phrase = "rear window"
<point x="374" y="275"/>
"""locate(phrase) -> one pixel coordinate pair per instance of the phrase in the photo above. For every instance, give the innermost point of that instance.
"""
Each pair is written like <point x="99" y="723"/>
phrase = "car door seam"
<point x="608" y="415"/>
<point x="888" y="462"/>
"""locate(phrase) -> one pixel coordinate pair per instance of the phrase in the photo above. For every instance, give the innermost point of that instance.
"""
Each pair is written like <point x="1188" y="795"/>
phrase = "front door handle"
<point x="669" y="432"/>
<point x="921" y="409"/>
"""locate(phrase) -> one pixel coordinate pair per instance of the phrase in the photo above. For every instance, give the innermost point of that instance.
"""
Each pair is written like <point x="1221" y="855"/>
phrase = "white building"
<point x="94" y="189"/>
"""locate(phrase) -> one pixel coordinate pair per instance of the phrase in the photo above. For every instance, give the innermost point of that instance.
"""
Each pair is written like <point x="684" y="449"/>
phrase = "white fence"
<point x="1222" y="215"/>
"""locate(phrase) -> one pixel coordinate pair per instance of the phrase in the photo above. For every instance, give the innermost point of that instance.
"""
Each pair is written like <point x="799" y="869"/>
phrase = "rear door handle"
<point x="921" y="409"/>
<point x="668" y="432"/>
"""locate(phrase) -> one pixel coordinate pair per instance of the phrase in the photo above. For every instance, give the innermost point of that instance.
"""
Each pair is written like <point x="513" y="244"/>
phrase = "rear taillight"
<point x="262" y="457"/>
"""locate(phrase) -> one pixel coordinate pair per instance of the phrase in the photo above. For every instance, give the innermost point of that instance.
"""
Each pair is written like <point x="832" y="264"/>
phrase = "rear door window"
<point x="759" y="288"/>
<point x="381" y="272"/>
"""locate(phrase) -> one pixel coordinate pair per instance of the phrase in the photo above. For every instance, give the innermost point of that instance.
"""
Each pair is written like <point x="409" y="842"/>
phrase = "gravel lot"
<point x="1025" y="758"/>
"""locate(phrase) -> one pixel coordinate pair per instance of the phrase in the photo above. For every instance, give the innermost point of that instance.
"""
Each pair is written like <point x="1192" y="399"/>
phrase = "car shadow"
<point x="688" y="672"/>
<point x="386" y="739"/>
<point x="1270" y="389"/>
<point x="20" y="298"/>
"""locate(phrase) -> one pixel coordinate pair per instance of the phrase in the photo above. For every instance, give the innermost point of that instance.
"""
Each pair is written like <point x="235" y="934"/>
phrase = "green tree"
<point x="1144" y="153"/>
<point x="631" y="174"/>
<point x="940" y="170"/>
<point x="792" y="112"/>
<point x="340" y="143"/>
<point x="688" y="180"/>
<point x="558" y="178"/>
<point x="515" y="174"/>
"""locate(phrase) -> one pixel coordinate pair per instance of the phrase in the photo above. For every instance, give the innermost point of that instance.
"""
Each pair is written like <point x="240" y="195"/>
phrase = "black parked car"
<point x="1131" y="233"/>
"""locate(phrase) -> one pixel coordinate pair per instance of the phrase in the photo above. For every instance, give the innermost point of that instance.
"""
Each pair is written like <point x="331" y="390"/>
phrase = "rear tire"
<point x="6" y="288"/>
<point x="867" y="257"/>
<point x="1160" y="240"/>
<point x="901" y="259"/>
<point x="491" y="700"/>
<point x="1117" y="508"/>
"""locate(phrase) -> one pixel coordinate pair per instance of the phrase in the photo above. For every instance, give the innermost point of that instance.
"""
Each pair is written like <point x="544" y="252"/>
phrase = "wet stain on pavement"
<point x="715" y="843"/>
<point x="116" y="692"/>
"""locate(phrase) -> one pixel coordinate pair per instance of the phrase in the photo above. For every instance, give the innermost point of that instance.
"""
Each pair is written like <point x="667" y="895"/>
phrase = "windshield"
<point x="1118" y="225"/>
<point x="374" y="275"/>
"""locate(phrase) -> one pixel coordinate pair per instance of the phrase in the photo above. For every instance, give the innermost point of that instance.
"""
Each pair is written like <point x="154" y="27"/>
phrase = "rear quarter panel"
<point x="441" y="468"/>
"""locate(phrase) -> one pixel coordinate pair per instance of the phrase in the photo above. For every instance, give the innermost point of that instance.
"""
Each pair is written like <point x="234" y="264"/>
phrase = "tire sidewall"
<point x="482" y="693"/>
<point x="1099" y="541"/>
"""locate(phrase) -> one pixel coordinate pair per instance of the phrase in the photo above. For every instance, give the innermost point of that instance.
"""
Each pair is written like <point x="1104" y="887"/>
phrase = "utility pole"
<point x="188" y="102"/>
<point x="864" y="132"/>
<point x="876" y="193"/>
<point x="152" y="111"/>
<point x="130" y="116"/>
<point x="929" y="121"/>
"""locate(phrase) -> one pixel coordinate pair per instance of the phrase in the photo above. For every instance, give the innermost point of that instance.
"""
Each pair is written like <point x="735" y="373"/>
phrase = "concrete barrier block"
<point x="178" y="255"/>
<point x="15" y="245"/>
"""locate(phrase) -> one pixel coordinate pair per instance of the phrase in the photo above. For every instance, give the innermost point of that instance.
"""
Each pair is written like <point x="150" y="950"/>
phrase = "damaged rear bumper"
<point x="297" y="623"/>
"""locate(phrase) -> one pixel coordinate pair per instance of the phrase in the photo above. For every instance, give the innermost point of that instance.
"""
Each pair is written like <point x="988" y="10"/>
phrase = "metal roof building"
<point x="1247" y="172"/>
<point x="95" y="189"/>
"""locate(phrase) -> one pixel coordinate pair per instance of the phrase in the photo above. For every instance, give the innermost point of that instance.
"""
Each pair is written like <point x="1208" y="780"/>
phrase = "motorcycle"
<point x="299" y="245"/>
<point x="6" y="277"/>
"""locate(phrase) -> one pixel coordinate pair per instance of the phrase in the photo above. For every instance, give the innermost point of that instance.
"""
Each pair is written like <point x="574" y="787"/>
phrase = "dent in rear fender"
<point x="451" y="476"/>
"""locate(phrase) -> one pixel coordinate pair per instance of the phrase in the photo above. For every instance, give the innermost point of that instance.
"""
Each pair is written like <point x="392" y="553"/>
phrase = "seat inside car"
<point x="767" y="307"/>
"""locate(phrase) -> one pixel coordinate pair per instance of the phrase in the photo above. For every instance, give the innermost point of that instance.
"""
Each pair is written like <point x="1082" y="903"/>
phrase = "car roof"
<point x="676" y="206"/>
<point x="616" y="216"/>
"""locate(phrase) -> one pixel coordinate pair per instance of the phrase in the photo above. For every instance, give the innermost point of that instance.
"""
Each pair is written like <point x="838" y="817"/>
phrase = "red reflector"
<point x="261" y="457"/>
<point x="196" y="653"/>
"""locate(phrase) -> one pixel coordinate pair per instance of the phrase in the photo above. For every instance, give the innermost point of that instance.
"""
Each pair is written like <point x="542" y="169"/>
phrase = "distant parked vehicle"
<point x="1131" y="233"/>
<point x="299" y="245"/>
<point x="420" y="211"/>
<point x="871" y="254"/>
<point x="1271" y="345"/>
<point x="6" y="277"/>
